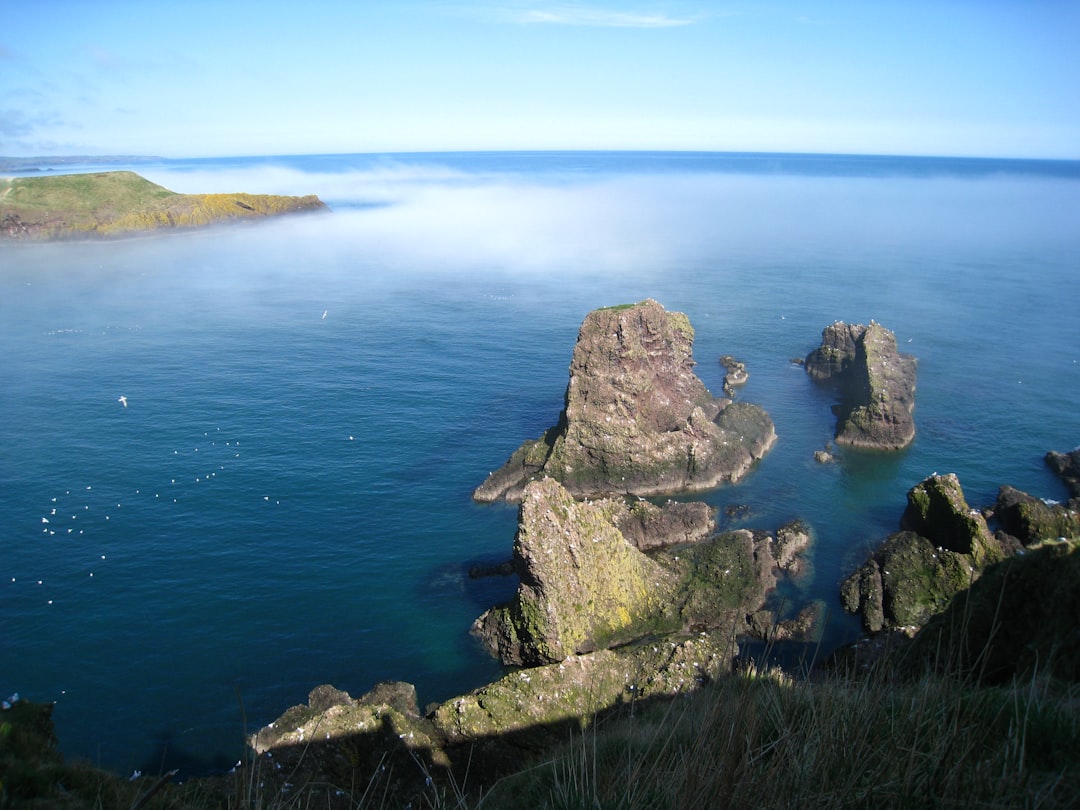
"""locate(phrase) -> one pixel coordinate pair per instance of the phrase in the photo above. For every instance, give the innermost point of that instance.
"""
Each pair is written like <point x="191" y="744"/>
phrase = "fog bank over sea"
<point x="285" y="499"/>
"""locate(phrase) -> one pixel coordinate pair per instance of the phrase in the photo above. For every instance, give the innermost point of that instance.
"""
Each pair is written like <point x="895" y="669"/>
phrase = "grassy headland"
<point x="117" y="203"/>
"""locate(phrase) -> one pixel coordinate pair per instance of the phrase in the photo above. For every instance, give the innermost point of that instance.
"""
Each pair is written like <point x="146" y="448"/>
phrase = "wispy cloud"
<point x="580" y="15"/>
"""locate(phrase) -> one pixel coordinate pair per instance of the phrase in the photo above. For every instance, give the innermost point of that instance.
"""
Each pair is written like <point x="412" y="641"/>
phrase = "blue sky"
<point x="197" y="78"/>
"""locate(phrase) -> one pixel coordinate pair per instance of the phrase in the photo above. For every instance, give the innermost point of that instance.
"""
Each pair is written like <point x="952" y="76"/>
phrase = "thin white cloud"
<point x="580" y="15"/>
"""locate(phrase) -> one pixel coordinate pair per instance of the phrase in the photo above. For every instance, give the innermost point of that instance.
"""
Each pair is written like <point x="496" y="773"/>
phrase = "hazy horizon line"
<point x="749" y="152"/>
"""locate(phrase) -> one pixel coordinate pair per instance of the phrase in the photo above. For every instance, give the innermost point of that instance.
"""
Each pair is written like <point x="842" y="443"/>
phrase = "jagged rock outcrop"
<point x="792" y="539"/>
<point x="937" y="510"/>
<point x="637" y="420"/>
<point x="583" y="586"/>
<point x="1067" y="466"/>
<point x="942" y="548"/>
<point x="876" y="384"/>
<point x="736" y="373"/>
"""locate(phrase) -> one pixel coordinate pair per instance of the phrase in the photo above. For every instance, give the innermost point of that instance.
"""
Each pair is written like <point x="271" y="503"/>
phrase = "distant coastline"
<point x="49" y="163"/>
<point x="814" y="163"/>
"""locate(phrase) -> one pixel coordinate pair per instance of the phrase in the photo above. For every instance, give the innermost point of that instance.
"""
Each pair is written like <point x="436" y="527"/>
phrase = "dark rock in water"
<point x="1067" y="466"/>
<point x="876" y="383"/>
<point x="1031" y="520"/>
<point x="915" y="573"/>
<point x="824" y="457"/>
<point x="637" y="420"/>
<point x="738" y="511"/>
<point x="1018" y="619"/>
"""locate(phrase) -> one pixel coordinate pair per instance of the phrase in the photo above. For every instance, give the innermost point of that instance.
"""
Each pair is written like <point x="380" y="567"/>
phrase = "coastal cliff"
<point x="121" y="203"/>
<point x="637" y="420"/>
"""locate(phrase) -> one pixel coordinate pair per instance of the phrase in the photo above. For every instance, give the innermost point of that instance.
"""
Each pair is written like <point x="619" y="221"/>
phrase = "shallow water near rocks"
<point x="285" y="499"/>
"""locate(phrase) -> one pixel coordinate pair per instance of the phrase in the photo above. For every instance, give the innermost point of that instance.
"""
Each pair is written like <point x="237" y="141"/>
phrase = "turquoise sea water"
<point x="285" y="501"/>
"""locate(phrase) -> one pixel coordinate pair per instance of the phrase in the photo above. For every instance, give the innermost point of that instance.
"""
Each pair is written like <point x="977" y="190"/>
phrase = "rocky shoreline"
<point x="622" y="600"/>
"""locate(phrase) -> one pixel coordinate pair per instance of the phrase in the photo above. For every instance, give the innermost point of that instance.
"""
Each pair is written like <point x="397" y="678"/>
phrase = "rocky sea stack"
<point x="637" y="420"/>
<point x="876" y="385"/>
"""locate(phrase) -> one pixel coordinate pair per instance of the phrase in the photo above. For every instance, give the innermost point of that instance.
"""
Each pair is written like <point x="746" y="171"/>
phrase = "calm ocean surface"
<point x="285" y="501"/>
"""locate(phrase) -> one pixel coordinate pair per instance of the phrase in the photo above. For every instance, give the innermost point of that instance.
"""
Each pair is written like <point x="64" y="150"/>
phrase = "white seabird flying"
<point x="122" y="400"/>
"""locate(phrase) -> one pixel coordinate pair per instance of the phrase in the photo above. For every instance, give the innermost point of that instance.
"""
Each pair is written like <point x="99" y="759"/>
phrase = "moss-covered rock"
<point x="916" y="572"/>
<point x="637" y="420"/>
<point x="583" y="586"/>
<point x="937" y="510"/>
<point x="578" y="687"/>
<point x="876" y="384"/>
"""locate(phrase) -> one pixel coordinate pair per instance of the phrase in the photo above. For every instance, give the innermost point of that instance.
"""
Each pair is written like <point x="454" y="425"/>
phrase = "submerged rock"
<point x="942" y="548"/>
<point x="876" y="383"/>
<point x="792" y="539"/>
<point x="637" y="420"/>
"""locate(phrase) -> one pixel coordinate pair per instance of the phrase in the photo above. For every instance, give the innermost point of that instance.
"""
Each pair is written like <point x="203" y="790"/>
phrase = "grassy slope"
<point x="109" y="203"/>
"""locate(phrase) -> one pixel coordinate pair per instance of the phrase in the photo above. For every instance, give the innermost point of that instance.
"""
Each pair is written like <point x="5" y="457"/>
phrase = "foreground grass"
<point x="753" y="742"/>
<point x="749" y="741"/>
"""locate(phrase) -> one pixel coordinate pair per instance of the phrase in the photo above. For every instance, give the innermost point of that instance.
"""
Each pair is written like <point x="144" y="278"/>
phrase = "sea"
<point x="282" y="498"/>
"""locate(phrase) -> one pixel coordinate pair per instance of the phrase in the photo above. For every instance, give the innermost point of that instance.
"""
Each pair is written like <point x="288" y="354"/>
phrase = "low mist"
<point x="429" y="217"/>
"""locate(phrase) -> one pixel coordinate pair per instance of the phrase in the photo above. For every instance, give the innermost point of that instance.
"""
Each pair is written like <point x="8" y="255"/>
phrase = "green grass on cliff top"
<point x="122" y="202"/>
<point x="78" y="197"/>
